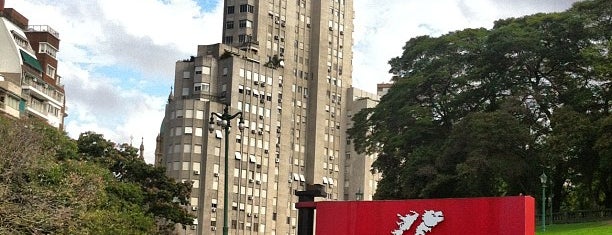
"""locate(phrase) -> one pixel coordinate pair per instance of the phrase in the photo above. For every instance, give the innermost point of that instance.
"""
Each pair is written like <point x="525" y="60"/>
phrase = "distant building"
<point x="29" y="84"/>
<point x="360" y="179"/>
<point x="382" y="89"/>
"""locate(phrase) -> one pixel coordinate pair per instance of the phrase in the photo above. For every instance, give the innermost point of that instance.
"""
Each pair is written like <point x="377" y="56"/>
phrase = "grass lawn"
<point x="594" y="228"/>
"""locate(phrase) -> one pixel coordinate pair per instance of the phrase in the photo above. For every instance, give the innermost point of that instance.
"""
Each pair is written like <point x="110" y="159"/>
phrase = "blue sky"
<point x="117" y="57"/>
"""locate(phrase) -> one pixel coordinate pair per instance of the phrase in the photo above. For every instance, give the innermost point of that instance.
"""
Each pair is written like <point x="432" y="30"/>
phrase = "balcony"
<point x="43" y="28"/>
<point x="10" y="87"/>
<point x="43" y="91"/>
<point x="37" y="107"/>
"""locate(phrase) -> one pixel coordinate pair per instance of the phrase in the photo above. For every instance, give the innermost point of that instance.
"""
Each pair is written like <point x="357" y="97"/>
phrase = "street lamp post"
<point x="543" y="180"/>
<point x="359" y="195"/>
<point x="550" y="204"/>
<point x="226" y="118"/>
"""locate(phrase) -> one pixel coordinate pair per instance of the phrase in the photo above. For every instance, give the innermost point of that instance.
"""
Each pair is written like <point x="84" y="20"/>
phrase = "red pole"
<point x="1" y="5"/>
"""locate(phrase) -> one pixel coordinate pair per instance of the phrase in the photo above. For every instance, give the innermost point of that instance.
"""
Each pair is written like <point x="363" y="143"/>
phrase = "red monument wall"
<point x="469" y="216"/>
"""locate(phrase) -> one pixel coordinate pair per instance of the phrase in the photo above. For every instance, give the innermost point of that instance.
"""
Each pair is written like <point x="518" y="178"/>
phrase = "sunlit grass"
<point x="594" y="228"/>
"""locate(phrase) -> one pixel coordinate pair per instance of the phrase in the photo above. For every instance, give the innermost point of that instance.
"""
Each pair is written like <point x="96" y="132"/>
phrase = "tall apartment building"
<point x="286" y="65"/>
<point x="29" y="84"/>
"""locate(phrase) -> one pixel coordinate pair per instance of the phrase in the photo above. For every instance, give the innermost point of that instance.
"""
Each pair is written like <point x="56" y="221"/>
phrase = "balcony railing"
<point x="45" y="90"/>
<point x="43" y="28"/>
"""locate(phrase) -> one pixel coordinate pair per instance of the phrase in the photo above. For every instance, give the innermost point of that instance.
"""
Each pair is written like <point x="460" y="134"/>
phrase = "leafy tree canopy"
<point x="51" y="184"/>
<point x="482" y="112"/>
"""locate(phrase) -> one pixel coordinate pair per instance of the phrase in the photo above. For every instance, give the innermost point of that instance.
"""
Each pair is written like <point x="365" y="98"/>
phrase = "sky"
<point x="117" y="57"/>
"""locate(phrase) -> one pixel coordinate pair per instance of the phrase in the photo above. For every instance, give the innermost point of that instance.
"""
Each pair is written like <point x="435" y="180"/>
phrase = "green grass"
<point x="594" y="228"/>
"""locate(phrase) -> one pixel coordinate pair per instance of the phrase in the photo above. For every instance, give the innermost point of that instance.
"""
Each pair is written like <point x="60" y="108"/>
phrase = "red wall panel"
<point x="473" y="216"/>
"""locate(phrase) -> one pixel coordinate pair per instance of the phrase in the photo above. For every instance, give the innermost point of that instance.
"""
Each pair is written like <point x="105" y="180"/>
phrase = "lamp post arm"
<point x="235" y="115"/>
<point x="216" y="115"/>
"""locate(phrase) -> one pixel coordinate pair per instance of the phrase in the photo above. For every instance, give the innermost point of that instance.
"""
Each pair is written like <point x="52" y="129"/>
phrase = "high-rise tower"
<point x="286" y="65"/>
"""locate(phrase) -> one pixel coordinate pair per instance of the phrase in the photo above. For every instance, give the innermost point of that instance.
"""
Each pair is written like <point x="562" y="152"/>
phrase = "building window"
<point x="196" y="183"/>
<point x="245" y="23"/>
<point x="205" y="87"/>
<point x="230" y="10"/>
<point x="244" y="38"/>
<point x="50" y="71"/>
<point x="228" y="39"/>
<point x="229" y="25"/>
<point x="20" y="40"/>
<point x="46" y="48"/>
<point x="247" y="8"/>
<point x="206" y="70"/>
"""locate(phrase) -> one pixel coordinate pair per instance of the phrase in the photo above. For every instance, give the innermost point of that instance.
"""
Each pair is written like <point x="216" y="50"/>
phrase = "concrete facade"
<point x="360" y="181"/>
<point x="286" y="65"/>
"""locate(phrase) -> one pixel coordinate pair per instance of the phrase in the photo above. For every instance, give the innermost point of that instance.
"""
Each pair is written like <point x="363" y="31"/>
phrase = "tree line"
<point x="52" y="184"/>
<point x="484" y="112"/>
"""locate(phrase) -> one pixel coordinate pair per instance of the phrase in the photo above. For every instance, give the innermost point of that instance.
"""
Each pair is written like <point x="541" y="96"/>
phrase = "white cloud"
<point x="178" y="22"/>
<point x="383" y="27"/>
<point x="102" y="105"/>
<point x="146" y="37"/>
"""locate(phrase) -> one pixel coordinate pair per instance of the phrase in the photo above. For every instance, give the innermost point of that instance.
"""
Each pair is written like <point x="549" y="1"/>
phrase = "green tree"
<point x="531" y="92"/>
<point x="50" y="184"/>
<point x="162" y="197"/>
